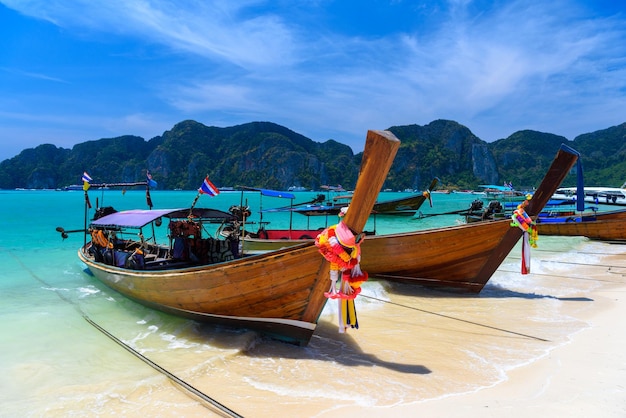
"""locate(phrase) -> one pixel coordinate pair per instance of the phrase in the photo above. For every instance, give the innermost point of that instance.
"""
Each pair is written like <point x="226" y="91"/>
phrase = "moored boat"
<point x="461" y="257"/>
<point x="594" y="194"/>
<point x="506" y="192"/>
<point x="478" y="212"/>
<point x="604" y="226"/>
<point x="280" y="293"/>
<point x="403" y="206"/>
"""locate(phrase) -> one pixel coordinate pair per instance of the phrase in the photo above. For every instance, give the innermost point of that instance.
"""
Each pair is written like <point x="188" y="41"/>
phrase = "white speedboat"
<point x="594" y="194"/>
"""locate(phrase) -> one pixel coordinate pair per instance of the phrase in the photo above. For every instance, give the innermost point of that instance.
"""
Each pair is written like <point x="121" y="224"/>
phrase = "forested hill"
<point x="264" y="154"/>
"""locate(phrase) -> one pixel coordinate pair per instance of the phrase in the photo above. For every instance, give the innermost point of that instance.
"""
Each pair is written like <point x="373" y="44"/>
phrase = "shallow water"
<point x="412" y="345"/>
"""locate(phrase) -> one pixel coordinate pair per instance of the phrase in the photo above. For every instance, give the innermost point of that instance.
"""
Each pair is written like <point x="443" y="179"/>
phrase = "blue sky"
<point x="78" y="70"/>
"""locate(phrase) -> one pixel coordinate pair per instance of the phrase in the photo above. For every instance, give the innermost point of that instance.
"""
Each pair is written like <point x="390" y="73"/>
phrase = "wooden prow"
<point x="380" y="150"/>
<point x="565" y="159"/>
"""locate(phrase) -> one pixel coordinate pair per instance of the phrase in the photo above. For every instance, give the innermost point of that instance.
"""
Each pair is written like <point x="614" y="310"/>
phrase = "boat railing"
<point x="184" y="251"/>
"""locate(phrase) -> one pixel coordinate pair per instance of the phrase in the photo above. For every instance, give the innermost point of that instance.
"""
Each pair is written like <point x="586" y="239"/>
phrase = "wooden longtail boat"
<point x="604" y="226"/>
<point x="460" y="257"/>
<point x="403" y="206"/>
<point x="279" y="293"/>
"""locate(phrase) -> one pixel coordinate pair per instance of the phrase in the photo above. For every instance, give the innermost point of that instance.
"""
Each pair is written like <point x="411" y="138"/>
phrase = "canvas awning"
<point x="138" y="218"/>
<point x="269" y="192"/>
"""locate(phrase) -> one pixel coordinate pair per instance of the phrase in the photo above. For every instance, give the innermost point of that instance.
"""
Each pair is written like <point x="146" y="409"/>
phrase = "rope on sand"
<point x="185" y="385"/>
<point x="454" y="318"/>
<point x="575" y="263"/>
<point x="160" y="369"/>
<point x="566" y="277"/>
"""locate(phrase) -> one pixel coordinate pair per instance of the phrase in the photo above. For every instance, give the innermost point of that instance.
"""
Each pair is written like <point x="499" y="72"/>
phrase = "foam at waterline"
<point x="86" y="291"/>
<point x="334" y="392"/>
<point x="373" y="288"/>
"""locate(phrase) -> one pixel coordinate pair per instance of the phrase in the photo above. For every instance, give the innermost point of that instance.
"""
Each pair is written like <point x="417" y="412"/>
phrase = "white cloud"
<point x="213" y="29"/>
<point x="509" y="66"/>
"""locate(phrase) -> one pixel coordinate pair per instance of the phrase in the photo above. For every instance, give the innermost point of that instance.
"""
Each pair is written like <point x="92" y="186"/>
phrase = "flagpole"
<point x="148" y="198"/>
<point x="242" y="236"/>
<point x="193" y="205"/>
<point x="86" y="186"/>
<point x="148" y="184"/>
<point x="85" y="220"/>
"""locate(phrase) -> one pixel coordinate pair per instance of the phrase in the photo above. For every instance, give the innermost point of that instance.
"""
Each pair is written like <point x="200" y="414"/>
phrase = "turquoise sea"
<point x="57" y="360"/>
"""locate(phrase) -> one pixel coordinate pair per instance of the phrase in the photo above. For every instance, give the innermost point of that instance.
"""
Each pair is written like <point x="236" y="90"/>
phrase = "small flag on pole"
<point x="208" y="188"/>
<point x="86" y="181"/>
<point x="151" y="183"/>
<point x="86" y="177"/>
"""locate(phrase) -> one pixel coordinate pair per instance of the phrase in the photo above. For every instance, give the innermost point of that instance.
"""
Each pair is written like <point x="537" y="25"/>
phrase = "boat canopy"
<point x="269" y="192"/>
<point x="276" y="193"/>
<point x="496" y="187"/>
<point x="139" y="218"/>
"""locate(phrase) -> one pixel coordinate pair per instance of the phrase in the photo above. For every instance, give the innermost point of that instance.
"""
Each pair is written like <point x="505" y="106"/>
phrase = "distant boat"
<point x="76" y="187"/>
<point x="496" y="210"/>
<point x="493" y="191"/>
<point x="403" y="206"/>
<point x="597" y="195"/>
<point x="73" y="187"/>
<point x="561" y="217"/>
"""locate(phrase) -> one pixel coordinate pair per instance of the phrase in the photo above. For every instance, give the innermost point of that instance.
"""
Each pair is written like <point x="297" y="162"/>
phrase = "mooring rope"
<point x="160" y="369"/>
<point x="454" y="318"/>
<point x="574" y="263"/>
<point x="181" y="382"/>
<point x="566" y="277"/>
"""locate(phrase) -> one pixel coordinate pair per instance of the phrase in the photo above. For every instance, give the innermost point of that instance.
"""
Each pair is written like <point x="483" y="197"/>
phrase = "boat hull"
<point x="281" y="294"/>
<point x="447" y="257"/>
<point x="605" y="226"/>
<point x="452" y="257"/>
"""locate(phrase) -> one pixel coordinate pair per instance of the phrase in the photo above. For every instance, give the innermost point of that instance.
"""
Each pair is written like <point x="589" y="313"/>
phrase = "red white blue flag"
<point x="208" y="188"/>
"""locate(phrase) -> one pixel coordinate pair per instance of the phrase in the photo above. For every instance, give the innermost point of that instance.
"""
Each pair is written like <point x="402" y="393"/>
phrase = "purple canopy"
<point x="138" y="218"/>
<point x="132" y="218"/>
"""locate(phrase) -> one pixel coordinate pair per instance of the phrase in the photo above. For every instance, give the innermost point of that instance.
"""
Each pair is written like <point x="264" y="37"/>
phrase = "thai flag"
<point x="86" y="177"/>
<point x="208" y="188"/>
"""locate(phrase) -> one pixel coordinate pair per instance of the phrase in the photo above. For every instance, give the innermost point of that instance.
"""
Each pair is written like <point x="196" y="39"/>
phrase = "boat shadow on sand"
<point x="326" y="344"/>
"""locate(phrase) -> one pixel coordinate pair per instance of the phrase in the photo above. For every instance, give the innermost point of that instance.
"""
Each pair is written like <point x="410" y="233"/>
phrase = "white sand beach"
<point x="583" y="377"/>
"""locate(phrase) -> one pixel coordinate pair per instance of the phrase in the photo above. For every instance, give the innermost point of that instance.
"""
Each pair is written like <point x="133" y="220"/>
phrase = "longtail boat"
<point x="402" y="206"/>
<point x="280" y="293"/>
<point x="265" y="239"/>
<point x="604" y="226"/>
<point x="462" y="257"/>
